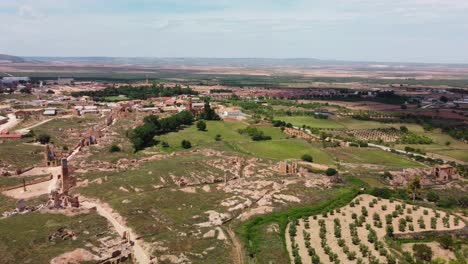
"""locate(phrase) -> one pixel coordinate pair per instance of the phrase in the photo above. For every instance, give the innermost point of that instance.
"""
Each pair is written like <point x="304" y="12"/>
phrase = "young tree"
<point x="201" y="125"/>
<point x="414" y="188"/>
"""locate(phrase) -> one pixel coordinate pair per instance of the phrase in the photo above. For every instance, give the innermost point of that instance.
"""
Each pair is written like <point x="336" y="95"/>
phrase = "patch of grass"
<point x="16" y="153"/>
<point x="285" y="149"/>
<point x="24" y="238"/>
<point x="372" y="156"/>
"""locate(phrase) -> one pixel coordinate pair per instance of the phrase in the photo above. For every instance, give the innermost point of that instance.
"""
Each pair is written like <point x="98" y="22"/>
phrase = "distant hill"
<point x="229" y="62"/>
<point x="9" y="58"/>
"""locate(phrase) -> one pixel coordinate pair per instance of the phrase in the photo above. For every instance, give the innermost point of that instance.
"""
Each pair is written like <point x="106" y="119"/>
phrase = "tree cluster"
<point x="143" y="136"/>
<point x="254" y="134"/>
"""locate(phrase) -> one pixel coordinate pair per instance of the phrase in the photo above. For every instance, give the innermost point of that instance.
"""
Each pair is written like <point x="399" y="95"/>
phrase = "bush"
<point x="331" y="172"/>
<point x="164" y="144"/>
<point x="422" y="252"/>
<point x="43" y="138"/>
<point x="432" y="197"/>
<point x="218" y="137"/>
<point x="186" y="144"/>
<point x="307" y="157"/>
<point x="114" y="148"/>
<point x="201" y="125"/>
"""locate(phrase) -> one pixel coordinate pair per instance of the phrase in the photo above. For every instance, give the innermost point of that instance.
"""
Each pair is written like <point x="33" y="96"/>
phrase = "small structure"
<point x="444" y="173"/>
<point x="52" y="157"/>
<point x="286" y="167"/>
<point x="50" y="112"/>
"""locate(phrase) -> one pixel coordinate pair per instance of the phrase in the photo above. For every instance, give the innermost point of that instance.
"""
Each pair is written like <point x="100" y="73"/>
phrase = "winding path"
<point x="140" y="254"/>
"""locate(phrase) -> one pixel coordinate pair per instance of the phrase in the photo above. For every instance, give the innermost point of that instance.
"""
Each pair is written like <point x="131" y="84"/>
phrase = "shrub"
<point x="331" y="172"/>
<point x="389" y="230"/>
<point x="186" y="144"/>
<point x="201" y="125"/>
<point x="307" y="158"/>
<point x="433" y="222"/>
<point x="384" y="207"/>
<point x="43" y="138"/>
<point x="425" y="212"/>
<point x="164" y="144"/>
<point x="218" y="137"/>
<point x="364" y="211"/>
<point x="114" y="148"/>
<point x="389" y="219"/>
<point x="422" y="252"/>
<point x="446" y="242"/>
<point x="432" y="197"/>
<point x="421" y="223"/>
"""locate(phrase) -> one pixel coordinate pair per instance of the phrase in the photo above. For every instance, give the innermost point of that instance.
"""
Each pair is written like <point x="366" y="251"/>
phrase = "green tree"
<point x="307" y="157"/>
<point x="201" y="125"/>
<point x="414" y="188"/>
<point x="186" y="144"/>
<point x="208" y="113"/>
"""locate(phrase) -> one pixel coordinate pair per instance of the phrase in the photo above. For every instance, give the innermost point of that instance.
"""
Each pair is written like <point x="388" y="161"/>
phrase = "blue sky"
<point x="370" y="30"/>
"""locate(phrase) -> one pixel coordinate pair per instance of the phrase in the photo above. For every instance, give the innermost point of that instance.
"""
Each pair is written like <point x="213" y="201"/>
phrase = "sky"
<point x="359" y="30"/>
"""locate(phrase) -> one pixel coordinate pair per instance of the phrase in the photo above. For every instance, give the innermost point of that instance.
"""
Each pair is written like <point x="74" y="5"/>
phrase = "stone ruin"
<point x="439" y="174"/>
<point x="59" y="197"/>
<point x="53" y="156"/>
<point x="288" y="167"/>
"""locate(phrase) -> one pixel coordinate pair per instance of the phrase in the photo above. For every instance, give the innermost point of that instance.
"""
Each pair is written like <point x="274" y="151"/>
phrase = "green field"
<point x="311" y="122"/>
<point x="372" y="156"/>
<point x="279" y="148"/>
<point x="457" y="149"/>
<point x="16" y="153"/>
<point x="24" y="238"/>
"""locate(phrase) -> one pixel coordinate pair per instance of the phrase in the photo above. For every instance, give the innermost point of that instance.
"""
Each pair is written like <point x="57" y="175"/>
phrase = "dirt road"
<point x="11" y="123"/>
<point x="140" y="254"/>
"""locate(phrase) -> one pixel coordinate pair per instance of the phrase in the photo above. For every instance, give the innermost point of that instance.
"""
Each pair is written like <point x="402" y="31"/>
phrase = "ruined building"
<point x="444" y="173"/>
<point x="52" y="156"/>
<point x="286" y="167"/>
<point x="59" y="197"/>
